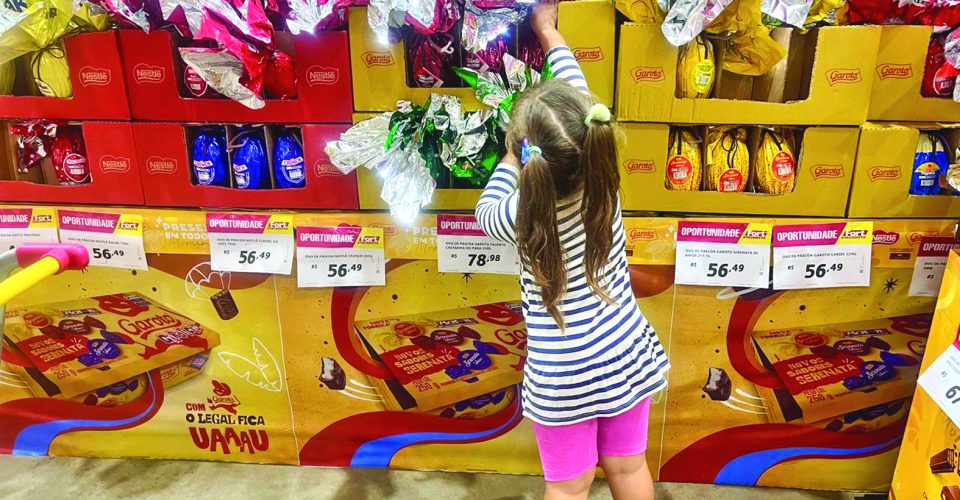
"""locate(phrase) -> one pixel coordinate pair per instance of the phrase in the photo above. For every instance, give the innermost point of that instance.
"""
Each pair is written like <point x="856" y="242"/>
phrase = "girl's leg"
<point x="628" y="477"/>
<point x="573" y="489"/>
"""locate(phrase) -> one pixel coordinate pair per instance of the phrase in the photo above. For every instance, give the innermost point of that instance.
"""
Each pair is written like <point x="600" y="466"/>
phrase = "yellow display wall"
<point x="263" y="396"/>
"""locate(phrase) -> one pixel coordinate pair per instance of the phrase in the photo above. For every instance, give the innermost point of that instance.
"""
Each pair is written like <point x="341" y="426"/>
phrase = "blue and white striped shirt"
<point x="608" y="358"/>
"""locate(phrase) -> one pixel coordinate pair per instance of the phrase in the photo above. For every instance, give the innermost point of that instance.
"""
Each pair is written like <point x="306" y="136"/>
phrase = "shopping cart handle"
<point x="71" y="257"/>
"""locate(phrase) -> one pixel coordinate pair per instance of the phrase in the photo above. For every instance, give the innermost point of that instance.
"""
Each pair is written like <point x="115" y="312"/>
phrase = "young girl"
<point x="593" y="359"/>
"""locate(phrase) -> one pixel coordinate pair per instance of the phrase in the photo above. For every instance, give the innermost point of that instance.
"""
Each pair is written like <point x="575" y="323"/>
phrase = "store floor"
<point x="80" y="478"/>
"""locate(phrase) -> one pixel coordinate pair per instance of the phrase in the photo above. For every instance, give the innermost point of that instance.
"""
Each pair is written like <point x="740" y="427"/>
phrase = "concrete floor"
<point x="81" y="478"/>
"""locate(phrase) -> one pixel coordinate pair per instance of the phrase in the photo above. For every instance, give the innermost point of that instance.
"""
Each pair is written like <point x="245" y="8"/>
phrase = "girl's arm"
<point x="543" y="21"/>
<point x="497" y="209"/>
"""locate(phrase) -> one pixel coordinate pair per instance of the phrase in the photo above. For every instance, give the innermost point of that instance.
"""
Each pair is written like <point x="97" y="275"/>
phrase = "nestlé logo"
<point x="881" y="237"/>
<point x="90" y="76"/>
<point x="835" y="76"/>
<point x="159" y="165"/>
<point x="322" y="75"/>
<point x="888" y="70"/>
<point x="113" y="164"/>
<point x="323" y="168"/>
<point x="647" y="74"/>
<point x="145" y="73"/>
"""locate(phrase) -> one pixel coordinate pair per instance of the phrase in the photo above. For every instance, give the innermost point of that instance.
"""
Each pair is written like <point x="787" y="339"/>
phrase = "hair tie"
<point x="598" y="113"/>
<point x="527" y="149"/>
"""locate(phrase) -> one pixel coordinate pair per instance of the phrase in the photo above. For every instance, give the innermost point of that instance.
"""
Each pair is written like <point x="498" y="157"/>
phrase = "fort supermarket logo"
<point x="322" y="75"/>
<point x="835" y="76"/>
<point x="884" y="173"/>
<point x="588" y="54"/>
<point x="639" y="166"/>
<point x="642" y="235"/>
<point x="90" y="76"/>
<point x="827" y="171"/>
<point x="881" y="237"/>
<point x="901" y="71"/>
<point x="159" y="165"/>
<point x="647" y="74"/>
<point x="114" y="164"/>
<point x="145" y="73"/>
<point x="377" y="59"/>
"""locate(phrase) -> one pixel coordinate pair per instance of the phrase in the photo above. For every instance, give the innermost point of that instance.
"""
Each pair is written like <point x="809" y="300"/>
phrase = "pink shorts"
<point x="567" y="451"/>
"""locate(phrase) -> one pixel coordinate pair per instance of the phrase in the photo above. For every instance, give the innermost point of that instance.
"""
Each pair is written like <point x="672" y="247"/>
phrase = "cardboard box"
<point x="838" y="92"/>
<point x="111" y="158"/>
<point x="824" y="170"/>
<point x="901" y="60"/>
<point x="164" y="152"/>
<point x="884" y="168"/>
<point x="97" y="78"/>
<point x="321" y="62"/>
<point x="379" y="70"/>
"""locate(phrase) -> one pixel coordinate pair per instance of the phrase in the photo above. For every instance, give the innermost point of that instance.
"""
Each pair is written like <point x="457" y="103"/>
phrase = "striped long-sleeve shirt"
<point x="608" y="357"/>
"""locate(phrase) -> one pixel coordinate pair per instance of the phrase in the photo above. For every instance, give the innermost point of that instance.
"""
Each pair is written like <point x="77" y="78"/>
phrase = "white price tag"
<point x="930" y="264"/>
<point x="113" y="240"/>
<point x="251" y="243"/>
<point x="723" y="254"/>
<point x="462" y="247"/>
<point x="27" y="225"/>
<point x="829" y="255"/>
<point x="941" y="380"/>
<point x="340" y="256"/>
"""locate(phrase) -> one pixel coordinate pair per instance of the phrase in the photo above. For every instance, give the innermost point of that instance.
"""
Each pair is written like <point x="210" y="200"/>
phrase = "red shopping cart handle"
<point x="71" y="257"/>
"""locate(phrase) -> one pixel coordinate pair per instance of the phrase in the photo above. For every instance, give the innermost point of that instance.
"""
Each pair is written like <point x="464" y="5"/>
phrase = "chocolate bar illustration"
<point x="950" y="493"/>
<point x="331" y="374"/>
<point x="718" y="385"/>
<point x="943" y="462"/>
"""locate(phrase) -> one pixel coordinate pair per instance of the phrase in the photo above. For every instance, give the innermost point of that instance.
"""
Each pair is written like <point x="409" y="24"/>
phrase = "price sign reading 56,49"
<point x="113" y="240"/>
<point x="941" y="380"/>
<point x="723" y="254"/>
<point x="251" y="243"/>
<point x="822" y="255"/>
<point x="340" y="256"/>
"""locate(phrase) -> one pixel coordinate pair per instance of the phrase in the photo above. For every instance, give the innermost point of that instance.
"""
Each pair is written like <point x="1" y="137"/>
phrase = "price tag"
<point x="827" y="255"/>
<point x="462" y="247"/>
<point x="931" y="262"/>
<point x="251" y="243"/>
<point x="27" y="225"/>
<point x="941" y="380"/>
<point x="340" y="256"/>
<point x="113" y="240"/>
<point x="723" y="254"/>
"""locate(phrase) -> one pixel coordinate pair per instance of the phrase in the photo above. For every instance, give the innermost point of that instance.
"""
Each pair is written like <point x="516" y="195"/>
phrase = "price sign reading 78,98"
<point x="723" y="254"/>
<point x="941" y="381"/>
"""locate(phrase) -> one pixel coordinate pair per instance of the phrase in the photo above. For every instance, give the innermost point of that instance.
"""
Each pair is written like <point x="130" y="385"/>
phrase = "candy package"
<point x="929" y="164"/>
<point x="50" y="71"/>
<point x="774" y="163"/>
<point x="442" y="358"/>
<point x="78" y="346"/>
<point x="8" y="76"/>
<point x="838" y="369"/>
<point x="529" y="49"/>
<point x="209" y="157"/>
<point x="248" y="158"/>
<point x="490" y="57"/>
<point x="288" y="165"/>
<point x="937" y="78"/>
<point x="69" y="155"/>
<point x="431" y="60"/>
<point x="129" y="390"/>
<point x="280" y="78"/>
<point x="727" y="165"/>
<point x="684" y="162"/>
<point x="641" y="11"/>
<point x="696" y="69"/>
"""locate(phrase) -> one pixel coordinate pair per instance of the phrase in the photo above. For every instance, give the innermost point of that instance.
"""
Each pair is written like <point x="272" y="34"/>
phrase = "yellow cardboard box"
<point x="896" y="79"/>
<point x="881" y="178"/>
<point x="379" y="70"/>
<point x="824" y="172"/>
<point x="838" y="91"/>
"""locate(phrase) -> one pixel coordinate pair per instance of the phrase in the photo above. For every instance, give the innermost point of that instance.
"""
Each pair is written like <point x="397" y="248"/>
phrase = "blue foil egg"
<point x="929" y="165"/>
<point x="288" y="164"/>
<point x="210" y="157"/>
<point x="249" y="159"/>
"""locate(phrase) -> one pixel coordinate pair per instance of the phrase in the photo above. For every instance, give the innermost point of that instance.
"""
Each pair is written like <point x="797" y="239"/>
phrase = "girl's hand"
<point x="543" y="21"/>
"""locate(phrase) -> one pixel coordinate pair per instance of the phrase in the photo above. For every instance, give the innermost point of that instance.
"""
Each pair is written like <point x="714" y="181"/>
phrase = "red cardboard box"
<point x="96" y="74"/>
<point x="164" y="151"/>
<point x="112" y="159"/>
<point x="322" y="63"/>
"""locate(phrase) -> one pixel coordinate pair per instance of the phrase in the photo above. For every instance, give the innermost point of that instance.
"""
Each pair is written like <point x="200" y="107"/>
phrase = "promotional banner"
<point x="799" y="388"/>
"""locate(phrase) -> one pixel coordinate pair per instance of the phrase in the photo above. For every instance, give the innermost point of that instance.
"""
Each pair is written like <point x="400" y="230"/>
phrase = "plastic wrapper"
<point x="209" y="158"/>
<point x="426" y="16"/>
<point x="774" y="163"/>
<point x="684" y="162"/>
<point x="875" y="12"/>
<point x="288" y="163"/>
<point x="792" y="12"/>
<point x="196" y="86"/>
<point x="641" y="11"/>
<point x="51" y="72"/>
<point x="937" y="80"/>
<point x="688" y="18"/>
<point x="446" y="13"/>
<point x="490" y="57"/>
<point x="69" y="155"/>
<point x="929" y="164"/>
<point x="8" y="75"/>
<point x="941" y="14"/>
<point x="280" y="78"/>
<point x="431" y="60"/>
<point x="186" y="17"/>
<point x="696" y="69"/>
<point x="38" y="25"/>
<point x="499" y="92"/>
<point x="481" y="27"/>
<point x="529" y="49"/>
<point x="34" y="139"/>
<point x="130" y="13"/>
<point x="90" y="17"/>
<point x="223" y="72"/>
<point x="952" y="179"/>
<point x="249" y="40"/>
<point x="752" y="52"/>
<point x="361" y="144"/>
<point x="824" y="11"/>
<point x="739" y="16"/>
<point x="248" y="159"/>
<point x="310" y="16"/>
<point x="727" y="165"/>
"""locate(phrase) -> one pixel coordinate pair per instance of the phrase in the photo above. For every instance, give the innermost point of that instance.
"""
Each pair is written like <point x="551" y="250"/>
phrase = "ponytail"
<point x="601" y="181"/>
<point x="538" y="236"/>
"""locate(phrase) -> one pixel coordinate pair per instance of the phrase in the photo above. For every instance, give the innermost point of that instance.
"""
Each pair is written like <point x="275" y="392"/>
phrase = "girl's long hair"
<point x="579" y="159"/>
